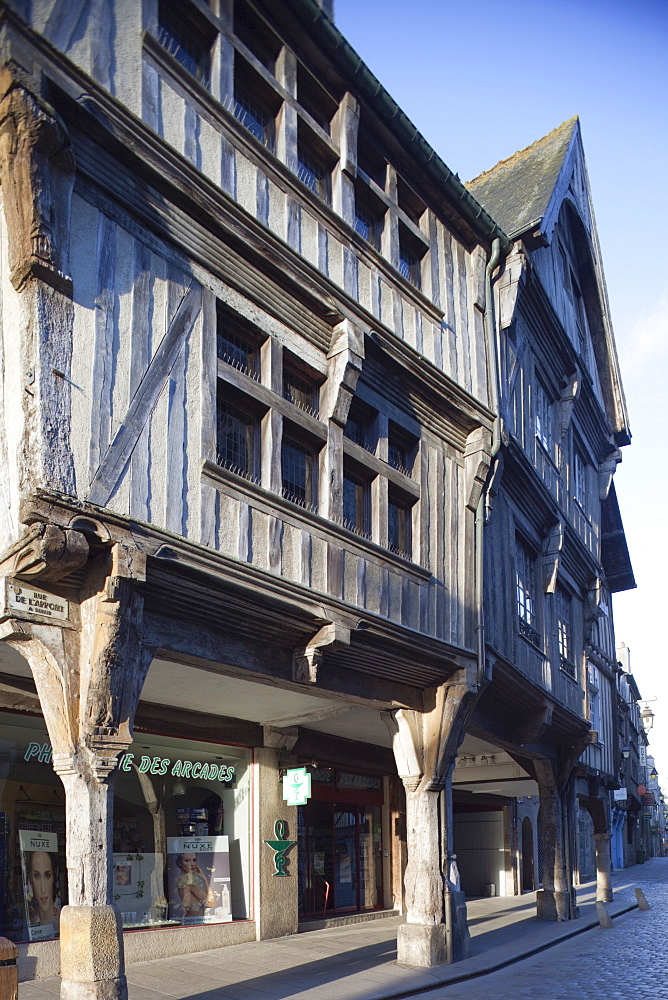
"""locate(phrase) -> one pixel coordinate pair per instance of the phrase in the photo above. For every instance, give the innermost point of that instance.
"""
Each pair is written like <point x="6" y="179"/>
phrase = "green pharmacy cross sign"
<point x="297" y="786"/>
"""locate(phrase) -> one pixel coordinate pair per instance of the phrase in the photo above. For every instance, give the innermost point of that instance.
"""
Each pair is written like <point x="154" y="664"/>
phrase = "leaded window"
<point x="188" y="36"/>
<point x="564" y="631"/>
<point x="237" y="428"/>
<point x="356" y="504"/>
<point x="298" y="467"/>
<point x="399" y="526"/>
<point x="526" y="591"/>
<point x="543" y="418"/>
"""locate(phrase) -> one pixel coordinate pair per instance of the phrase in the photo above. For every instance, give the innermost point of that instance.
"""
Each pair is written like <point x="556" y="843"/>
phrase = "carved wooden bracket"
<point x="606" y="471"/>
<point x="307" y="659"/>
<point x="36" y="174"/>
<point x="277" y="738"/>
<point x="88" y="673"/>
<point x="477" y="458"/>
<point x="569" y="394"/>
<point x="345" y="357"/>
<point x="425" y="743"/>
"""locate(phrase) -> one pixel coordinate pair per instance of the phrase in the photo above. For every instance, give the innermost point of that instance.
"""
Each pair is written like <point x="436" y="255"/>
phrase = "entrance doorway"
<point x="527" y="856"/>
<point x="340" y="857"/>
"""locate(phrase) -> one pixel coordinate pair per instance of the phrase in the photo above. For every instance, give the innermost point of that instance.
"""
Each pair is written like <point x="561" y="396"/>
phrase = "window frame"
<point x="563" y="615"/>
<point x="293" y="439"/>
<point x="543" y="418"/>
<point x="247" y="408"/>
<point x="181" y="30"/>
<point x="402" y="545"/>
<point x="525" y="592"/>
<point x="362" y="482"/>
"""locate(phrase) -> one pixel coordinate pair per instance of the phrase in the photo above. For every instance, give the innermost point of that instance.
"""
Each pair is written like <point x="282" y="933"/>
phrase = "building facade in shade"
<point x="555" y="549"/>
<point x="261" y="359"/>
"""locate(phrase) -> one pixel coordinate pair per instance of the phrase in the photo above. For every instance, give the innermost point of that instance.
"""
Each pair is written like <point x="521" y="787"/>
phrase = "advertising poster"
<point x="41" y="885"/>
<point x="137" y="882"/>
<point x="198" y="876"/>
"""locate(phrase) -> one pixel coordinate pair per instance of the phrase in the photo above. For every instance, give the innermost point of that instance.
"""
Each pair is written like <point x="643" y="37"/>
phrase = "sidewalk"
<point x="358" y="961"/>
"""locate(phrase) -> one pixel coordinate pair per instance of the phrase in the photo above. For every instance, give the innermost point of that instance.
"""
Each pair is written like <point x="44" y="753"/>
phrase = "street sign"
<point x="297" y="786"/>
<point x="26" y="601"/>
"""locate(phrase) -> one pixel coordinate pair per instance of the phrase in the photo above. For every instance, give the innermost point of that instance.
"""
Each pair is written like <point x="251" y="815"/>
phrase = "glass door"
<point x="340" y="857"/>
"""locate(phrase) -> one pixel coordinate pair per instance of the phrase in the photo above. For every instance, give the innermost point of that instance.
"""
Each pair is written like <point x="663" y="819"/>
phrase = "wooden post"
<point x="88" y="674"/>
<point x="603" y="884"/>
<point x="425" y="745"/>
<point x="9" y="973"/>
<point x="554" y="900"/>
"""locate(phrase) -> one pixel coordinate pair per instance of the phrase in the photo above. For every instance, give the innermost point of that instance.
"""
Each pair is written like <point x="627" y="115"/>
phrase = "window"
<point x="593" y="692"/>
<point x="314" y="99"/>
<point x="313" y="171"/>
<point x="188" y="36"/>
<point x="543" y="418"/>
<point x="360" y="425"/>
<point x="256" y="35"/>
<point x="298" y="467"/>
<point x="579" y="480"/>
<point x="370" y="162"/>
<point x="399" y="516"/>
<point x="409" y="202"/>
<point x="300" y="389"/>
<point x="401" y="449"/>
<point x="411" y="252"/>
<point x="356" y="504"/>
<point x="564" y="631"/>
<point x="237" y="432"/>
<point x="255" y="104"/>
<point x="237" y="343"/>
<point x="526" y="589"/>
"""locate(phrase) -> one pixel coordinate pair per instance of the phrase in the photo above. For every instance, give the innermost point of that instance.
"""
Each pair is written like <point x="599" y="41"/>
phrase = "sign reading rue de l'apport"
<point x="23" y="600"/>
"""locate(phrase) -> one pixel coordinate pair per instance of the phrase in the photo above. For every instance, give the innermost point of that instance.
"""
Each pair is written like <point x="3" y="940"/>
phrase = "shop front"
<point x="341" y="844"/>
<point x="182" y="839"/>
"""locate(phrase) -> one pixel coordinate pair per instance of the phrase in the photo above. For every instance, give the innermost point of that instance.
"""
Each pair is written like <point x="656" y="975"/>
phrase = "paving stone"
<point x="359" y="962"/>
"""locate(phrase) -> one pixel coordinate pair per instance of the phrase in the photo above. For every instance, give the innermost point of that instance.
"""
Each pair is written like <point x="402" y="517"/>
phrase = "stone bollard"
<point x="9" y="973"/>
<point x="642" y="902"/>
<point x="604" y="918"/>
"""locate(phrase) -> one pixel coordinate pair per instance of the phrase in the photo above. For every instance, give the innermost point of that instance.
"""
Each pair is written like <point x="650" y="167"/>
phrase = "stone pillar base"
<point x="91" y="954"/>
<point x="421" y="944"/>
<point x="552" y="905"/>
<point x="103" y="989"/>
<point x="604" y="894"/>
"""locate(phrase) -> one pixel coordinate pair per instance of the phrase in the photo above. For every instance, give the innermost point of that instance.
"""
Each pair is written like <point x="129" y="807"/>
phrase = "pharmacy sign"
<point x="297" y="786"/>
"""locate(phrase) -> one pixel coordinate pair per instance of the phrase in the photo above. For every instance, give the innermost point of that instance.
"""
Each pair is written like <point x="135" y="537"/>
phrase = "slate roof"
<point x="516" y="192"/>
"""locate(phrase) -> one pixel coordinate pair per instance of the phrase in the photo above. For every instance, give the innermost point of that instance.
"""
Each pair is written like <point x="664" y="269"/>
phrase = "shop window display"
<point x="181" y="833"/>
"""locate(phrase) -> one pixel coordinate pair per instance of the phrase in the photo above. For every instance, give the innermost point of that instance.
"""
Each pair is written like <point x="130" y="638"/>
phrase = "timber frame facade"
<point x="259" y="346"/>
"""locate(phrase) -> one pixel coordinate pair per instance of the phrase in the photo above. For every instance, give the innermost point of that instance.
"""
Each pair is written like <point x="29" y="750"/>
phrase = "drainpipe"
<point x="484" y="504"/>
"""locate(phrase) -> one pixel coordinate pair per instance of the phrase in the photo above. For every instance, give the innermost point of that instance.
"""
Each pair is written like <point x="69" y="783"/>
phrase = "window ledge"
<point x="273" y="504"/>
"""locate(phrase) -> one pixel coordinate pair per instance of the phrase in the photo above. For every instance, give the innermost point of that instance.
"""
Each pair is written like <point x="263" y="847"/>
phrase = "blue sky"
<point x="483" y="80"/>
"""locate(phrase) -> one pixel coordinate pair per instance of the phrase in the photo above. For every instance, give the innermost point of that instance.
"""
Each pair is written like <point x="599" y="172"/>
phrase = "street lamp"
<point x="653" y="774"/>
<point x="626" y="750"/>
<point x="647" y="718"/>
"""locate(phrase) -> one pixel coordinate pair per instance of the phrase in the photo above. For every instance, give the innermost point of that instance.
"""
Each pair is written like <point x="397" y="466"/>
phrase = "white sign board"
<point x="642" y="754"/>
<point x="39" y="603"/>
<point x="619" y="794"/>
<point x="297" y="786"/>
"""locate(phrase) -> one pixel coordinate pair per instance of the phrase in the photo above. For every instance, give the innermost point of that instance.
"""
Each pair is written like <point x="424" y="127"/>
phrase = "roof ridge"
<point x="520" y="152"/>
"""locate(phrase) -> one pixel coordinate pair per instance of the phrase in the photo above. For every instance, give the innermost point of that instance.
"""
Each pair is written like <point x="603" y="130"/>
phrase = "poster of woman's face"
<point x="199" y="879"/>
<point x="41" y="886"/>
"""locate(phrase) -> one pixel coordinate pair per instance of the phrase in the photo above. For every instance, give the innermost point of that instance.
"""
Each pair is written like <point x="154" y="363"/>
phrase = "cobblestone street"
<point x="629" y="960"/>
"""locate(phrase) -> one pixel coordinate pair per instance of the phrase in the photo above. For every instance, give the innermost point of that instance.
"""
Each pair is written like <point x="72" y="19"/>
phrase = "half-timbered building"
<point x="259" y="399"/>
